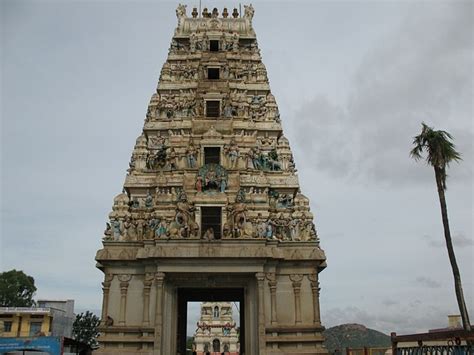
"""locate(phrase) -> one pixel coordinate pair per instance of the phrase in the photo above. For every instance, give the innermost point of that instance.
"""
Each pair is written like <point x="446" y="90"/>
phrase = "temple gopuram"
<point x="211" y="208"/>
<point x="216" y="331"/>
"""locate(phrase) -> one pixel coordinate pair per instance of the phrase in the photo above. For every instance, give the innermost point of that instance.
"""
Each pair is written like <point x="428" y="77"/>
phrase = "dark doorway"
<point x="214" y="45"/>
<point x="213" y="73"/>
<point x="213" y="108"/>
<point x="212" y="155"/>
<point x="186" y="295"/>
<point x="216" y="346"/>
<point x="211" y="219"/>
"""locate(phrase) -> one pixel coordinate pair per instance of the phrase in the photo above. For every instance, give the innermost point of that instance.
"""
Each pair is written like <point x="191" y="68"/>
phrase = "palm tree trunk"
<point x="452" y="257"/>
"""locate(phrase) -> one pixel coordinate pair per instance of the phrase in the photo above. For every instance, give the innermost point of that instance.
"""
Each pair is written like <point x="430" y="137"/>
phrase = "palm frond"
<point x="439" y="147"/>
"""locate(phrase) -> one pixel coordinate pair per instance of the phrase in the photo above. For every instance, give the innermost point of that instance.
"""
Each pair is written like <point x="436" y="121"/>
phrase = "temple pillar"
<point x="313" y="278"/>
<point x="272" y="284"/>
<point x="159" y="278"/>
<point x="260" y="276"/>
<point x="105" y="296"/>
<point x="146" y="298"/>
<point x="296" y="283"/>
<point x="124" y="282"/>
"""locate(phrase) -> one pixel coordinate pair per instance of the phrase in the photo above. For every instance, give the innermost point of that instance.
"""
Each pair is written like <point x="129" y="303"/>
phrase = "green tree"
<point x="440" y="151"/>
<point x="85" y="329"/>
<point x="16" y="289"/>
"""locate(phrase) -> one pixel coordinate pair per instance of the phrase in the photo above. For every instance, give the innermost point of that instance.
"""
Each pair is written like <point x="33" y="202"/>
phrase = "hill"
<point x="354" y="336"/>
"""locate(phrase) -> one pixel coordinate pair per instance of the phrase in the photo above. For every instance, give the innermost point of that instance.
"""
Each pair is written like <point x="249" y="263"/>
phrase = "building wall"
<point x="21" y="324"/>
<point x="63" y="316"/>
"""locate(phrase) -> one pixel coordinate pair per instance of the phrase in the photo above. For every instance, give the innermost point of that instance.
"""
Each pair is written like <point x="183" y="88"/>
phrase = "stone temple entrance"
<point x="209" y="287"/>
<point x="211" y="204"/>
<point x="186" y="295"/>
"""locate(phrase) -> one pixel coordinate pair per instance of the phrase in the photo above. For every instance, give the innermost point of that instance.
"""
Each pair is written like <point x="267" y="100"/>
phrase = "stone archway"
<point x="186" y="295"/>
<point x="216" y="345"/>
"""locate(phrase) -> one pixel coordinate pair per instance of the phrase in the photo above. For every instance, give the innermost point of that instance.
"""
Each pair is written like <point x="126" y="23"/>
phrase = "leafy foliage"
<point x="16" y="289"/>
<point x="439" y="147"/>
<point x="85" y="329"/>
<point x="354" y="336"/>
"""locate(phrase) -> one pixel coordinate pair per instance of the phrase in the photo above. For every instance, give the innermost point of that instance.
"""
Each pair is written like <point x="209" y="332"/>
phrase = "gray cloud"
<point x="427" y="282"/>
<point x="389" y="302"/>
<point x="459" y="240"/>
<point x="421" y="72"/>
<point x="434" y="242"/>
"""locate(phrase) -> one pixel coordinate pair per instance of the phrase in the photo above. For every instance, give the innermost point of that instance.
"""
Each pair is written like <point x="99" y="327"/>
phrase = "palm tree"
<point x="440" y="152"/>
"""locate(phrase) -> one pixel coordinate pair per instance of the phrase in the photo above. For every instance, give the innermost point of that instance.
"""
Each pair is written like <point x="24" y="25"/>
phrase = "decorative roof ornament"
<point x="249" y="11"/>
<point x="211" y="20"/>
<point x="212" y="133"/>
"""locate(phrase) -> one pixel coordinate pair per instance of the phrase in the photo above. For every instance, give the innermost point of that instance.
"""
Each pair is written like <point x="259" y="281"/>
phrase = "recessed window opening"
<point x="213" y="73"/>
<point x="35" y="328"/>
<point x="214" y="45"/>
<point x="213" y="108"/>
<point x="7" y="326"/>
<point x="212" y="155"/>
<point x="211" y="220"/>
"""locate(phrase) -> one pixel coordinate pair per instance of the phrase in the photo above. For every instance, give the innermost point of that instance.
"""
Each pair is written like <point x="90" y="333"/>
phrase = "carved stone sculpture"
<point x="191" y="156"/>
<point x="232" y="152"/>
<point x="213" y="178"/>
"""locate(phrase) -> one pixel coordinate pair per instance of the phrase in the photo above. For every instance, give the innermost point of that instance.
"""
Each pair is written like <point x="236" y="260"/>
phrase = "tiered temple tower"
<point x="216" y="330"/>
<point x="211" y="208"/>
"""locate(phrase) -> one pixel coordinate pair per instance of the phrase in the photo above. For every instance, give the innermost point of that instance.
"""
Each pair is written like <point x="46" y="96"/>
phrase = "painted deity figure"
<point x="172" y="159"/>
<point x="157" y="155"/>
<point x="269" y="230"/>
<point x="235" y="42"/>
<point x="152" y="226"/>
<point x="256" y="158"/>
<point x="183" y="224"/>
<point x="233" y="154"/>
<point x="223" y="42"/>
<point x="261" y="226"/>
<point x="135" y="202"/>
<point x="281" y="227"/>
<point x="226" y="231"/>
<point x="160" y="229"/>
<point x="191" y="156"/>
<point x="295" y="229"/>
<point x="148" y="200"/>
<point x="199" y="183"/>
<point x="183" y="208"/>
<point x="108" y="231"/>
<point x="240" y="227"/>
<point x="205" y="43"/>
<point x="228" y="109"/>
<point x="249" y="158"/>
<point x="209" y="234"/>
<point x="116" y="228"/>
<point x="192" y="42"/>
<point x="222" y="184"/>
<point x="140" y="227"/>
<point x="181" y="14"/>
<point x="226" y="329"/>
<point x="127" y="229"/>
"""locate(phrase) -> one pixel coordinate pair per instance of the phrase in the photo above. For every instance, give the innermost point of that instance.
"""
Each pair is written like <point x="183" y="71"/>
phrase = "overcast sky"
<point x="353" y="80"/>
